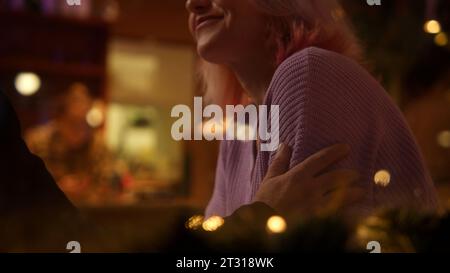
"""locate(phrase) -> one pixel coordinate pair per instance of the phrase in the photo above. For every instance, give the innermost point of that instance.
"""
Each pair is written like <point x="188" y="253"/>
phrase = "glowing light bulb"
<point x="432" y="26"/>
<point x="27" y="83"/>
<point x="211" y="128"/>
<point x="195" y="222"/>
<point x="382" y="178"/>
<point x="95" y="117"/>
<point x="213" y="223"/>
<point x="443" y="139"/>
<point x="441" y="39"/>
<point x="276" y="224"/>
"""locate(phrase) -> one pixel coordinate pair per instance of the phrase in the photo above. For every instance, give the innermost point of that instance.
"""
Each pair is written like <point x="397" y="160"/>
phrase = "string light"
<point x="195" y="222"/>
<point x="382" y="178"/>
<point x="432" y="27"/>
<point x="95" y="116"/>
<point x="213" y="223"/>
<point x="276" y="224"/>
<point x="27" y="83"/>
<point x="441" y="39"/>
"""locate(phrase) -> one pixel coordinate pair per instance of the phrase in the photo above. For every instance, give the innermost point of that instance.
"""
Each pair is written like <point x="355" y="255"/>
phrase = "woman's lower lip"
<point x="207" y="22"/>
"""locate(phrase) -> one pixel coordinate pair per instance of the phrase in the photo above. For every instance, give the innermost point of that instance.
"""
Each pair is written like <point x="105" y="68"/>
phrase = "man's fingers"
<point x="319" y="161"/>
<point x="281" y="162"/>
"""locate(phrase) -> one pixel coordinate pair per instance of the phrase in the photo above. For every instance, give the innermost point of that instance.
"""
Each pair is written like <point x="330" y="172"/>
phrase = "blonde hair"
<point x="292" y="25"/>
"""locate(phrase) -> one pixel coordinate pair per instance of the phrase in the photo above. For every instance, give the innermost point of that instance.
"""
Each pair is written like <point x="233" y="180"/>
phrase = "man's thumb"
<point x="281" y="162"/>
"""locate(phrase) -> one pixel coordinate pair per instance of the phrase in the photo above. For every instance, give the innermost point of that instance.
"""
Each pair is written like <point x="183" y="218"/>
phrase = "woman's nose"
<point x="198" y="6"/>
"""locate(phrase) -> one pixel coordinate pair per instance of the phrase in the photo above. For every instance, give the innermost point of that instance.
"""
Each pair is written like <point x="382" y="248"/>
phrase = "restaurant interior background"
<point x="94" y="85"/>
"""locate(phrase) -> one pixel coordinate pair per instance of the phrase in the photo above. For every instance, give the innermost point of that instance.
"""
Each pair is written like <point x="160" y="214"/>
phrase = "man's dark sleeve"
<point x="25" y="182"/>
<point x="35" y="214"/>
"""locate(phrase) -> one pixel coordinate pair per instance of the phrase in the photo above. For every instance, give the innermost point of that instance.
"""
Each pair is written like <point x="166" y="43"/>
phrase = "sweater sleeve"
<point x="325" y="98"/>
<point x="315" y="112"/>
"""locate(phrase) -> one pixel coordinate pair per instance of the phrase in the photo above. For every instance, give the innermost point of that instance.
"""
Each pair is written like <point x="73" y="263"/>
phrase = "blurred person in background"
<point x="74" y="151"/>
<point x="299" y="55"/>
<point x="428" y="112"/>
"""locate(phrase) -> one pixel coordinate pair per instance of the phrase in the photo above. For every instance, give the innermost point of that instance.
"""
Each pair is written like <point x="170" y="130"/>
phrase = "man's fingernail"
<point x="281" y="148"/>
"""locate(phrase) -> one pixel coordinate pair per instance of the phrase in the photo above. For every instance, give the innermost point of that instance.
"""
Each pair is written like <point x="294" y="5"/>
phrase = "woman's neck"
<point x="255" y="75"/>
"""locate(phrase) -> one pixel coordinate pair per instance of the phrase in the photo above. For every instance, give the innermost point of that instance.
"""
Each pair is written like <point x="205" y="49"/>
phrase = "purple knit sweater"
<point x="324" y="99"/>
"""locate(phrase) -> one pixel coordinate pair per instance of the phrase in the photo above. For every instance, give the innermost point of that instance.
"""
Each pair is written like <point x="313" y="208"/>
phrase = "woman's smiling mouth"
<point x="204" y="21"/>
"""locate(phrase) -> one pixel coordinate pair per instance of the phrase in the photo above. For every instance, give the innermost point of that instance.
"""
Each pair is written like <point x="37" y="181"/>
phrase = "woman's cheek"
<point x="191" y="23"/>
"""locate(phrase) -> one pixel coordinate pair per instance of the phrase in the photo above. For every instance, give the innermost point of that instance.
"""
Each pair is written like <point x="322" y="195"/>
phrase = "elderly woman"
<point x="303" y="57"/>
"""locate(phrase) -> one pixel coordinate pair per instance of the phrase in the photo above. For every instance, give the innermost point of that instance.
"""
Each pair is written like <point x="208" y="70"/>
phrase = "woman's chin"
<point x="210" y="52"/>
<point x="209" y="59"/>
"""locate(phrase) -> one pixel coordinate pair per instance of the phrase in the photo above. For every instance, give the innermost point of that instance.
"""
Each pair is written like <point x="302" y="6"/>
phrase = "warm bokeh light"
<point x="441" y="39"/>
<point x="276" y="224"/>
<point x="242" y="132"/>
<point x="195" y="222"/>
<point x="432" y="26"/>
<point x="95" y="116"/>
<point x="245" y="132"/>
<point x="382" y="178"/>
<point x="443" y="139"/>
<point x="27" y="83"/>
<point x="211" y="128"/>
<point x="213" y="223"/>
<point x="362" y="232"/>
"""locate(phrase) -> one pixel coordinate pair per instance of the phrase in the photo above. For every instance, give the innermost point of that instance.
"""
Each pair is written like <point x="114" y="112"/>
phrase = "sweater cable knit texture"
<point x="326" y="98"/>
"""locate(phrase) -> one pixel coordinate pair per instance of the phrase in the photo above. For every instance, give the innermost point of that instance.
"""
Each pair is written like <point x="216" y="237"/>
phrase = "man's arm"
<point x="35" y="215"/>
<point x="25" y="183"/>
